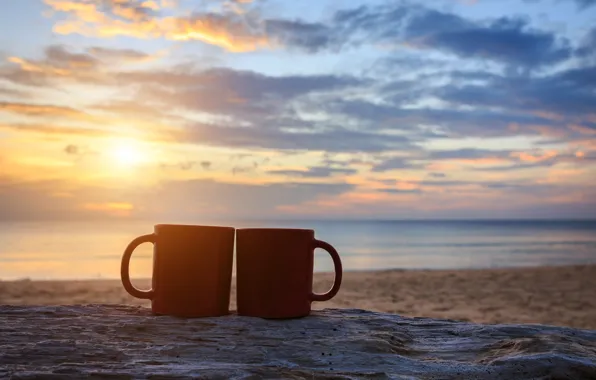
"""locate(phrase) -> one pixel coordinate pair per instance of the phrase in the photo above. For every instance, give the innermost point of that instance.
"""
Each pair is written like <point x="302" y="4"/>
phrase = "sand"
<point x="562" y="296"/>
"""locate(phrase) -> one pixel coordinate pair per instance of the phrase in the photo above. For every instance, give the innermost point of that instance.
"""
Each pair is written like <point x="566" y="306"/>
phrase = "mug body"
<point x="274" y="272"/>
<point x="192" y="270"/>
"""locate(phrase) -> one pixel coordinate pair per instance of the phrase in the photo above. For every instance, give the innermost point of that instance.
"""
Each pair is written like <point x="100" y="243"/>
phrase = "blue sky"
<point x="352" y="109"/>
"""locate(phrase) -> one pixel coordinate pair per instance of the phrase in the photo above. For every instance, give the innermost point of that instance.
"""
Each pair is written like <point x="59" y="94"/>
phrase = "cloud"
<point x="330" y="112"/>
<point x="476" y="103"/>
<point x="584" y="4"/>
<point x="58" y="65"/>
<point x="429" y="122"/>
<point x="257" y="109"/>
<point x="400" y="191"/>
<point x="393" y="163"/>
<point x="230" y="31"/>
<point x="501" y="77"/>
<point x="314" y="172"/>
<point x="118" y="56"/>
<point x="61" y="65"/>
<point x="44" y="200"/>
<point x="43" y="110"/>
<point x="372" y="23"/>
<point x="483" y="159"/>
<point x="51" y="129"/>
<point x="469" y="154"/>
<point x="177" y="199"/>
<point x="507" y="40"/>
<point x="567" y="93"/>
<point x="523" y="160"/>
<point x="437" y="175"/>
<point x="118" y="209"/>
<point x="250" y="109"/>
<point x="309" y="37"/>
<point x="132" y="108"/>
<point x="587" y="47"/>
<point x="59" y="57"/>
<point x="145" y="19"/>
<point x="170" y="200"/>
<point x="336" y="140"/>
<point x="183" y="165"/>
<point x="240" y="169"/>
<point x="423" y="158"/>
<point x="430" y="186"/>
<point x="107" y="18"/>
<point x="72" y="149"/>
<point x="13" y="93"/>
<point x="238" y="86"/>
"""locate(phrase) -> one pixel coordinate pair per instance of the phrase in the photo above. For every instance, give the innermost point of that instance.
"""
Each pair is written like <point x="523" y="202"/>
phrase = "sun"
<point x="127" y="153"/>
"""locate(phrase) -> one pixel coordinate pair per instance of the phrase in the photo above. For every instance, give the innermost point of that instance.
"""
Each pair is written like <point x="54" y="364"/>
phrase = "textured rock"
<point x="121" y="342"/>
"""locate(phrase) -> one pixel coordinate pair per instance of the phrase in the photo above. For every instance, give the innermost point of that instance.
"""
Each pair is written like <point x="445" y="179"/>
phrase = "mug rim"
<point x="192" y="226"/>
<point x="274" y="229"/>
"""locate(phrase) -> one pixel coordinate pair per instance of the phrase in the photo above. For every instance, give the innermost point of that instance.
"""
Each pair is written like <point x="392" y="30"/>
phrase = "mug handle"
<point x="338" y="272"/>
<point x="124" y="270"/>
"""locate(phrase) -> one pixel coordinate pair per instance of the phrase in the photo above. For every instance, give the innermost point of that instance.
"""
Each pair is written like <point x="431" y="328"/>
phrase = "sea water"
<point x="86" y="250"/>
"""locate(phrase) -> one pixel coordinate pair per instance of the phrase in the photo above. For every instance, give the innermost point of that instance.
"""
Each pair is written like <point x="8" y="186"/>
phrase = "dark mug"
<point x="274" y="272"/>
<point x="192" y="270"/>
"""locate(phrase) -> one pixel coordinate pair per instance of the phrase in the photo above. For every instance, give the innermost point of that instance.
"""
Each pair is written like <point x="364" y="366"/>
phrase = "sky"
<point x="188" y="109"/>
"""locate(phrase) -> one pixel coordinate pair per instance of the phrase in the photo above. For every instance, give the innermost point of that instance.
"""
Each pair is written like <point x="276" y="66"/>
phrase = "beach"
<point x="556" y="295"/>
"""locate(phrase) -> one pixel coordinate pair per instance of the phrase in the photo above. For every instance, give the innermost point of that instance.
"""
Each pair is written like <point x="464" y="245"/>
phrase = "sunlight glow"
<point x="128" y="153"/>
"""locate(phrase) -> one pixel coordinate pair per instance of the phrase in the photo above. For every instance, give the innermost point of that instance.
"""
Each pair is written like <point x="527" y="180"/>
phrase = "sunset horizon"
<point x="162" y="110"/>
<point x="298" y="189"/>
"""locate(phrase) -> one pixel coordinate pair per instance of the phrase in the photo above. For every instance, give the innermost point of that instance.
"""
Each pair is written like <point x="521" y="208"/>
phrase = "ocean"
<point x="91" y="250"/>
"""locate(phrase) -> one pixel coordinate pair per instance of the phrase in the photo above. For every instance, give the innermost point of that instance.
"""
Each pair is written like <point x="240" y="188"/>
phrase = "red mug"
<point x="274" y="272"/>
<point x="192" y="270"/>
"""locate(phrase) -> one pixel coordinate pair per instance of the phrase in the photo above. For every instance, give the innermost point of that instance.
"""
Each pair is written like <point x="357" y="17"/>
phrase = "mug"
<point x="192" y="270"/>
<point x="274" y="272"/>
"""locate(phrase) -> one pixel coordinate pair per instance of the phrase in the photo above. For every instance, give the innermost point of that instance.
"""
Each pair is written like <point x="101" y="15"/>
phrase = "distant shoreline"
<point x="328" y="273"/>
<point x="53" y="251"/>
<point x="555" y="295"/>
<point x="304" y="220"/>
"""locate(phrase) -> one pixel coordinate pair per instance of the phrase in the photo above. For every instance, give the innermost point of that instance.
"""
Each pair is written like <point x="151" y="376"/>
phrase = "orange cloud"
<point x="440" y="166"/>
<point x="111" y="28"/>
<point x="110" y="208"/>
<point x="120" y="56"/>
<point x="548" y="115"/>
<point x="406" y="186"/>
<point x="151" y="5"/>
<point x="345" y="202"/>
<point x="52" y="129"/>
<point x="142" y="20"/>
<point x="37" y="67"/>
<point x="583" y="130"/>
<point x="528" y="157"/>
<point x="86" y="18"/>
<point x="58" y="63"/>
<point x="61" y="64"/>
<point x="234" y="35"/>
<point x="43" y="110"/>
<point x="84" y="11"/>
<point x="485" y="160"/>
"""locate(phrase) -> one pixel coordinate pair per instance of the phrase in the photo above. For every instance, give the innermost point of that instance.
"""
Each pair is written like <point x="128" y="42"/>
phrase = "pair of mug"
<point x="192" y="271"/>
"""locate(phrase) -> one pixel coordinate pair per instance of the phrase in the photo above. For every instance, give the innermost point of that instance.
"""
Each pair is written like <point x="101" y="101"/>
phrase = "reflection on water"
<point x="93" y="250"/>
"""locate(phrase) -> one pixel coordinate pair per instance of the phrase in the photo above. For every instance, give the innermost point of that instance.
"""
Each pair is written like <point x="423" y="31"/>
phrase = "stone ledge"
<point x="115" y="341"/>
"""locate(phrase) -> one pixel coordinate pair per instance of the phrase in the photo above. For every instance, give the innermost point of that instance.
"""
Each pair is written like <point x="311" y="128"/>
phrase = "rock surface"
<point x="122" y="342"/>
